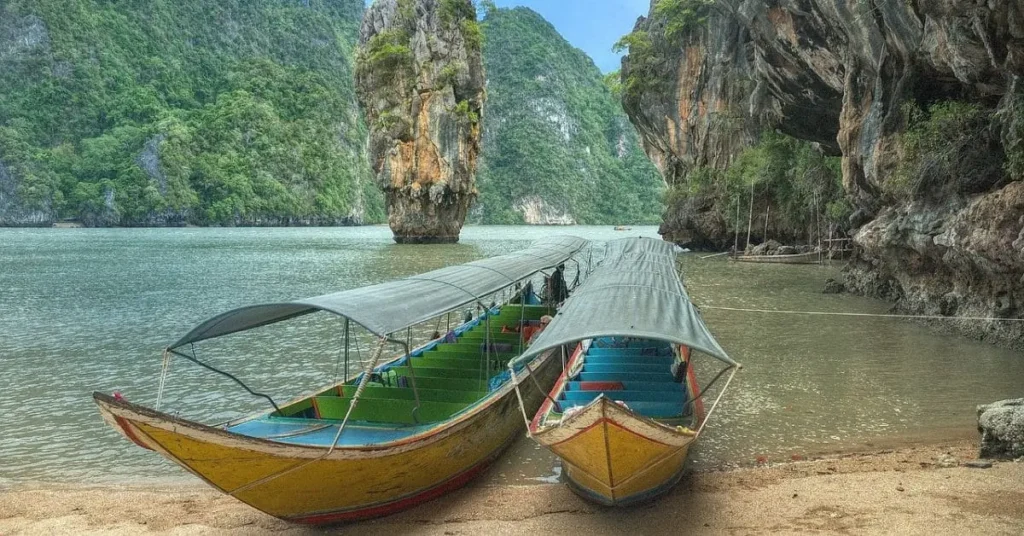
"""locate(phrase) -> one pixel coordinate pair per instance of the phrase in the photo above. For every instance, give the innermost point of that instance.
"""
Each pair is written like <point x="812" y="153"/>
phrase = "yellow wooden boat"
<point x="627" y="407"/>
<point x="397" y="434"/>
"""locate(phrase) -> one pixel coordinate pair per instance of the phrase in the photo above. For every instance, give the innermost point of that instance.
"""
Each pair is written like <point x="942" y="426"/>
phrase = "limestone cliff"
<point x="940" y="215"/>
<point x="420" y="82"/>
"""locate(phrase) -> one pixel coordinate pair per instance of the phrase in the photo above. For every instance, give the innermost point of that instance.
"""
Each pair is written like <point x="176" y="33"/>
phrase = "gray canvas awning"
<point x="390" y="307"/>
<point x="636" y="292"/>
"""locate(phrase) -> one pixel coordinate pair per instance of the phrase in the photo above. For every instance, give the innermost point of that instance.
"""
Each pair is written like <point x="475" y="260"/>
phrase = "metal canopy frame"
<point x="387" y="308"/>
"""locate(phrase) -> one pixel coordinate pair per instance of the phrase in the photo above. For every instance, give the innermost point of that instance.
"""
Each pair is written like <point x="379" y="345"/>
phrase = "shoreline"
<point x="885" y="491"/>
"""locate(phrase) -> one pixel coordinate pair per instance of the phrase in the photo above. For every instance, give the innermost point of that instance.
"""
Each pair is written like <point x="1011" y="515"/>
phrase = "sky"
<point x="591" y="25"/>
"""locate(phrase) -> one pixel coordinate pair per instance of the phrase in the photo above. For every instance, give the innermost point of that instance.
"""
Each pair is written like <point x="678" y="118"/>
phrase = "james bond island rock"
<point x="420" y="82"/>
<point x="923" y="100"/>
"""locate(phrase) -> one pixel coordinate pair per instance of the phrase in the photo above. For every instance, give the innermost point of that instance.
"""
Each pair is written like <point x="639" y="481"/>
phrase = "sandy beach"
<point x="900" y="491"/>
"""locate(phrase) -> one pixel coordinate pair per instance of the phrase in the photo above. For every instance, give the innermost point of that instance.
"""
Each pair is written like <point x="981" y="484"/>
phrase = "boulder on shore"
<point x="833" y="287"/>
<point x="1002" y="429"/>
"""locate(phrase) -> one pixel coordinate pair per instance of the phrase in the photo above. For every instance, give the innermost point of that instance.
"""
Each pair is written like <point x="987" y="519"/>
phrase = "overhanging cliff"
<point x="921" y="99"/>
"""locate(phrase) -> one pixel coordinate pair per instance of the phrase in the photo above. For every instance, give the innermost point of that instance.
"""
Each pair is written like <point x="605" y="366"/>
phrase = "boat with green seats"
<point x="401" y="430"/>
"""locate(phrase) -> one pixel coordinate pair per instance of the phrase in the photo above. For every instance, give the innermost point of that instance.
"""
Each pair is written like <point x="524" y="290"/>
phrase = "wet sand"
<point x="893" y="491"/>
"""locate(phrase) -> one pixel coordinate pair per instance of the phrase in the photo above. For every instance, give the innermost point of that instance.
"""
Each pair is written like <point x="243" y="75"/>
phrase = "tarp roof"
<point x="390" y="307"/>
<point x="635" y="292"/>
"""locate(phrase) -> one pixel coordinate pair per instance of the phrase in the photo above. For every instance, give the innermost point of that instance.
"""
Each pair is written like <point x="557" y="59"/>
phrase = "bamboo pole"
<point x="750" y="215"/>
<point x="767" y="213"/>
<point x="736" y="245"/>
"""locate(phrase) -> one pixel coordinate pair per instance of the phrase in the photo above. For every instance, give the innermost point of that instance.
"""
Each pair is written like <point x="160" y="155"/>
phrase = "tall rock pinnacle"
<point x="420" y="82"/>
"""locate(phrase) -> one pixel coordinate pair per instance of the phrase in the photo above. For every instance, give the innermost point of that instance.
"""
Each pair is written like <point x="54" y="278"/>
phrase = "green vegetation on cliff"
<point x="951" y="147"/>
<point x="557" y="145"/>
<point x="803" y="188"/>
<point x="210" y="112"/>
<point x="676" y="20"/>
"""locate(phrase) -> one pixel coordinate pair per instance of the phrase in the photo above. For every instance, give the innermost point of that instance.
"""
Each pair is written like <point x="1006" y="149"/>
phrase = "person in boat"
<point x="530" y="330"/>
<point x="557" y="287"/>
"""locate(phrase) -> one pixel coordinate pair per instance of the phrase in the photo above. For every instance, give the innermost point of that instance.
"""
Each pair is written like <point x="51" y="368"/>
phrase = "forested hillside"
<point x="233" y="112"/>
<point x="166" y="112"/>
<point x="557" y="147"/>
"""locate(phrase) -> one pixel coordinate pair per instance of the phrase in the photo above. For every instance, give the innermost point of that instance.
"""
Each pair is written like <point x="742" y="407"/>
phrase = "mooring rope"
<point x="869" y="315"/>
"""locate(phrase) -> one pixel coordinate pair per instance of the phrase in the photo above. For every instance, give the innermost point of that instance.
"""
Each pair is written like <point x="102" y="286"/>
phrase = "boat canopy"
<point x="390" y="307"/>
<point x="635" y="292"/>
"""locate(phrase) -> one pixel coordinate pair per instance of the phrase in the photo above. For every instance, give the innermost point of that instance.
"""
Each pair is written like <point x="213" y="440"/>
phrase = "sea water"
<point x="85" y="310"/>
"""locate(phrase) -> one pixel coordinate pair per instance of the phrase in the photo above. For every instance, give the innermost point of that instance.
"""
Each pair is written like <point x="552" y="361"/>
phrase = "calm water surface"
<point x="90" y="310"/>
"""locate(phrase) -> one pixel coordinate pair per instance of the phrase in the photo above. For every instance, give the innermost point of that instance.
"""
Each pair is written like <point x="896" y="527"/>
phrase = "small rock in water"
<point x="946" y="461"/>
<point x="900" y="488"/>
<point x="978" y="464"/>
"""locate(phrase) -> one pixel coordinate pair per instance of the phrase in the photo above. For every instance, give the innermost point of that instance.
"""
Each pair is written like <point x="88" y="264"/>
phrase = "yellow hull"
<point x="614" y="456"/>
<point x="309" y="484"/>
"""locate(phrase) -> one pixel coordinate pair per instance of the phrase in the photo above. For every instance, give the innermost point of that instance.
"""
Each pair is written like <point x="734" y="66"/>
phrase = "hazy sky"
<point x="591" y="25"/>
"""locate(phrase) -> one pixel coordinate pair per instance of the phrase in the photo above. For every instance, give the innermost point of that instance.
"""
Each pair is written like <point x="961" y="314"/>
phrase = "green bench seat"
<point x="407" y="393"/>
<point x="385" y="410"/>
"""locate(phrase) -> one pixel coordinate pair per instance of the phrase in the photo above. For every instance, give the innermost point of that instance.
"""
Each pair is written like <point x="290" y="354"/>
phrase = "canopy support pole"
<point x="412" y="373"/>
<point x="345" y="378"/>
<point x="488" y="342"/>
<point x="522" y="318"/>
<point x="163" y="378"/>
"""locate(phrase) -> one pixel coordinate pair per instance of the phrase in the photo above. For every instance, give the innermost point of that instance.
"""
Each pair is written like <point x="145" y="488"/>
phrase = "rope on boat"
<point x="359" y="392"/>
<point x="522" y="407"/>
<point x="706" y="387"/>
<point x="355" y="398"/>
<point x="868" y="315"/>
<point x="717" y="400"/>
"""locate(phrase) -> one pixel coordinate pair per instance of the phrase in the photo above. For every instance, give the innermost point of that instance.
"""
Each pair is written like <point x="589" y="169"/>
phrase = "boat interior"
<point x="634" y="372"/>
<point x="451" y="374"/>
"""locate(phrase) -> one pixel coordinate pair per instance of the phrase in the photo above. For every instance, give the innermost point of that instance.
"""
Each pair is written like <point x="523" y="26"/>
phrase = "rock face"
<point x="1002" y="429"/>
<point x="841" y="74"/>
<point x="556" y="146"/>
<point x="420" y="82"/>
<point x="13" y="212"/>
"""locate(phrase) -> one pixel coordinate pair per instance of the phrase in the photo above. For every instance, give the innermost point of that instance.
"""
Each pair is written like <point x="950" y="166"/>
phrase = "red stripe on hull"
<point x="402" y="504"/>
<point x="127" y="429"/>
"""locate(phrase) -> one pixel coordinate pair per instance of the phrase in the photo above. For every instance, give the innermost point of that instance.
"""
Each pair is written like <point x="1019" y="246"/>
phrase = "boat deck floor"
<point x="319" y="433"/>
<point x="636" y="373"/>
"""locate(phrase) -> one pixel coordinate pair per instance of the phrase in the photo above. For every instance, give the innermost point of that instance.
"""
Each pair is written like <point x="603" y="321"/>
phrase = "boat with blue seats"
<point x="401" y="430"/>
<point x="627" y="407"/>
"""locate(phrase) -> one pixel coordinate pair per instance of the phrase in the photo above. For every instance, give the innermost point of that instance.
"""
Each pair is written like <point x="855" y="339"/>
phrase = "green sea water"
<point x="85" y="310"/>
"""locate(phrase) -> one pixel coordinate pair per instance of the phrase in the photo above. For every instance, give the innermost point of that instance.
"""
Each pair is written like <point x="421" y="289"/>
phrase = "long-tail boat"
<point x="401" y="432"/>
<point x="812" y="257"/>
<point x="627" y="407"/>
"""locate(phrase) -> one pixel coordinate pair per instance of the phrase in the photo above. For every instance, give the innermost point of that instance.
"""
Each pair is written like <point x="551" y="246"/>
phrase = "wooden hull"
<point x="799" y="258"/>
<point x="614" y="457"/>
<point x="309" y="484"/>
